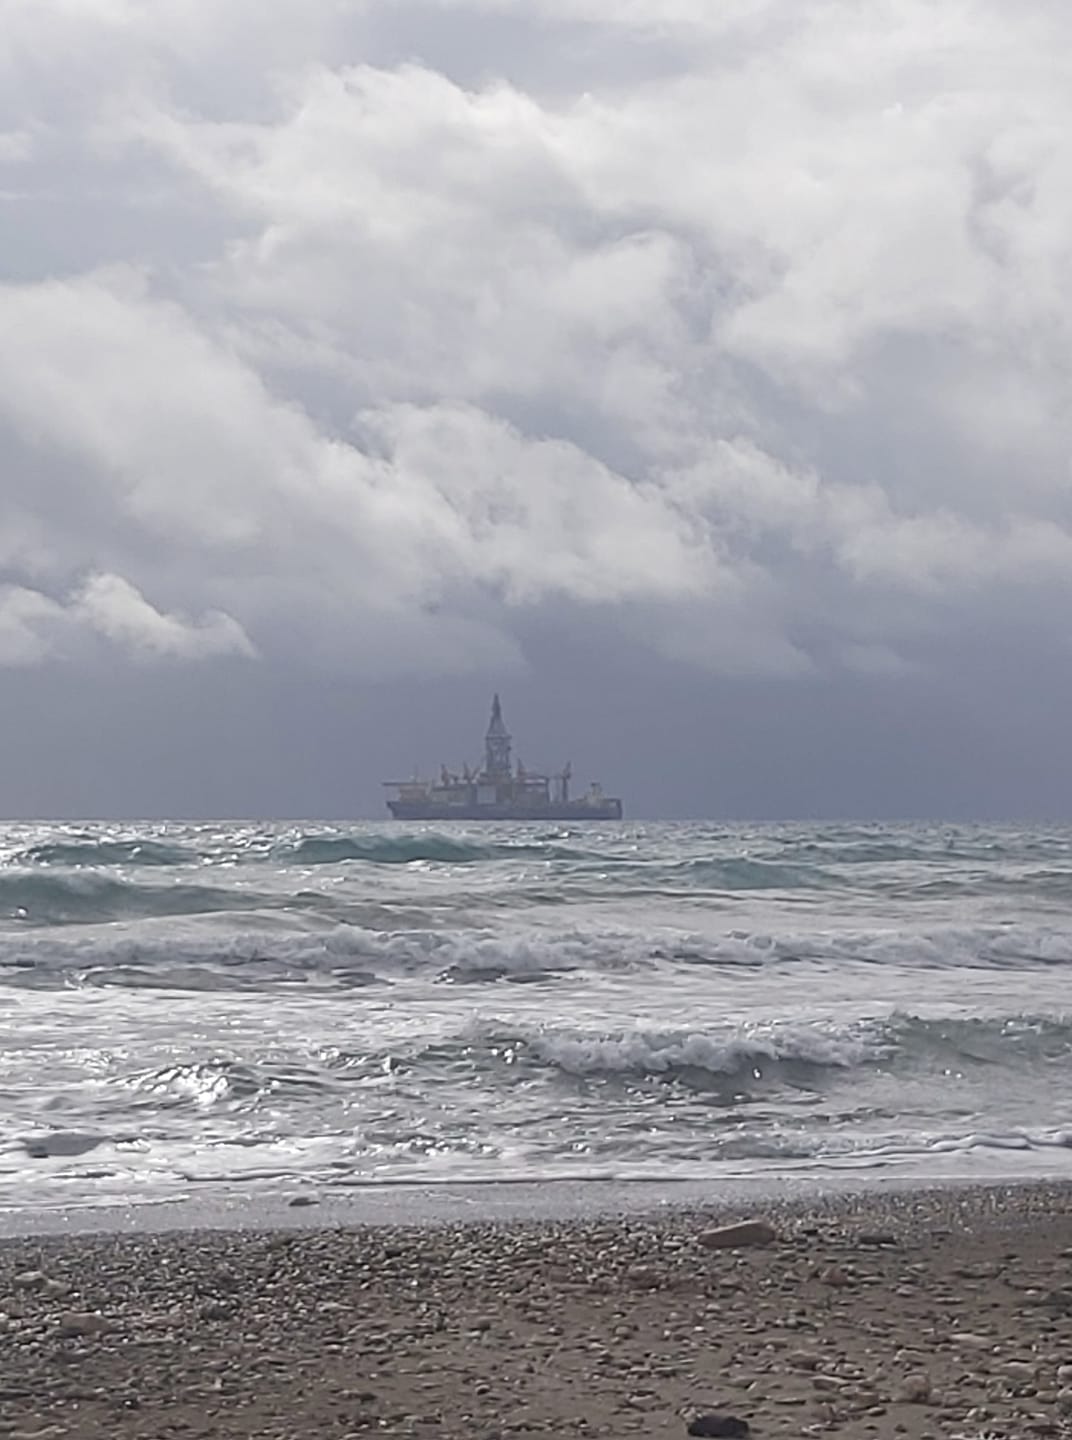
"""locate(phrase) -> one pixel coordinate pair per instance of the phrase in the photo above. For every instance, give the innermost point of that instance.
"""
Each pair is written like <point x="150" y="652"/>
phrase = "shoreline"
<point x="521" y="1201"/>
<point x="891" y="1314"/>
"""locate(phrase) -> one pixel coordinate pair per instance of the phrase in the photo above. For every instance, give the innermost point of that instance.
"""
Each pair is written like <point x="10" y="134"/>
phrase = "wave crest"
<point x="647" y="1053"/>
<point x="385" y="850"/>
<point x="315" y="937"/>
<point x="90" y="852"/>
<point x="87" y="897"/>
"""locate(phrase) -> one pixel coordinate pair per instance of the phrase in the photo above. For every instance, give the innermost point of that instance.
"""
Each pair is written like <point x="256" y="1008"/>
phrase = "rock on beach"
<point x="745" y="1233"/>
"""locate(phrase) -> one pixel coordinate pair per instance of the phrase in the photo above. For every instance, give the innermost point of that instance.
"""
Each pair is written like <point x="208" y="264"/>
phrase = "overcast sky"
<point x="698" y="375"/>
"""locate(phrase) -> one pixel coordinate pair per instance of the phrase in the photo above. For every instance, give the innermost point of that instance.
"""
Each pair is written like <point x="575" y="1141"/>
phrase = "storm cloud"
<point x="649" y="360"/>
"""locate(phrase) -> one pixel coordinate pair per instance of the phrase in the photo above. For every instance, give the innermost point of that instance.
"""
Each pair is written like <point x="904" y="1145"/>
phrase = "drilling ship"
<point x="499" y="791"/>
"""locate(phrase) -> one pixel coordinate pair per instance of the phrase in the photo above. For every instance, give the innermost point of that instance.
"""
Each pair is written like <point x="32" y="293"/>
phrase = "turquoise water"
<point x="186" y="1006"/>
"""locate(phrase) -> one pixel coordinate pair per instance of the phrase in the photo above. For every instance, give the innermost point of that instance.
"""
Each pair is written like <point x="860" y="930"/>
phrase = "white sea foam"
<point x="288" y="946"/>
<point x="653" y="1053"/>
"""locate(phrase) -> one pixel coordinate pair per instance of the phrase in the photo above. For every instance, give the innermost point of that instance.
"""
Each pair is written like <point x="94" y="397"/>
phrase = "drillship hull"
<point x="571" y="810"/>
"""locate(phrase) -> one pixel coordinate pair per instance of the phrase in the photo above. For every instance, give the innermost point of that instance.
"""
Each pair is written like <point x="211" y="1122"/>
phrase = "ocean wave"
<point x="1038" y="885"/>
<point x="1004" y="1041"/>
<point x="489" y="1097"/>
<point x="492" y="1056"/>
<point x="347" y="1003"/>
<point x="786" y="1050"/>
<point x="786" y="1054"/>
<point x="220" y="1083"/>
<point x="89" y="897"/>
<point x="744" y="1054"/>
<point x="743" y="872"/>
<point x="527" y="865"/>
<point x="429" y="847"/>
<point x="748" y="1063"/>
<point x="92" y="852"/>
<point x="344" y="956"/>
<point x="222" y="943"/>
<point x="383" y="850"/>
<point x="202" y="1083"/>
<point x="370" y="845"/>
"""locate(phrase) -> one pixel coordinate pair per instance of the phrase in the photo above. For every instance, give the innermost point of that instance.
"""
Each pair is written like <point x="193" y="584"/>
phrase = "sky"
<point x="699" y="376"/>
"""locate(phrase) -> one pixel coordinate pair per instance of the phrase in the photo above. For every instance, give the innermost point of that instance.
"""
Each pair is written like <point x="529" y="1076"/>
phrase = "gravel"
<point x="942" y="1314"/>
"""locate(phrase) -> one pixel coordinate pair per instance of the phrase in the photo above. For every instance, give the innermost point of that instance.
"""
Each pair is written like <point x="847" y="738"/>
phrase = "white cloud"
<point x="35" y="626"/>
<point x="115" y="609"/>
<point x="762" y="357"/>
<point x="24" y="617"/>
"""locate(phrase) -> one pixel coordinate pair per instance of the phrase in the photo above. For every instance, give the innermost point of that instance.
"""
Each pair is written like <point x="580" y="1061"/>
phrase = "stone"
<point x="916" y="1390"/>
<point x="715" y="1425"/>
<point x="30" y="1280"/>
<point x="971" y="1342"/>
<point x="829" y="1382"/>
<point x="75" y="1324"/>
<point x="646" y="1277"/>
<point x="803" y="1359"/>
<point x="743" y="1233"/>
<point x="1022" y="1370"/>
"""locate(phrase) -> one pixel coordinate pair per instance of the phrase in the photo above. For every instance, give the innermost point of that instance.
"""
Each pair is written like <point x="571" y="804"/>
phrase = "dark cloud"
<point x="698" y="374"/>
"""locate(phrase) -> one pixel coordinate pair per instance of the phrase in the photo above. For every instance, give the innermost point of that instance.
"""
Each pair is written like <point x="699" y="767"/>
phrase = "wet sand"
<point x="942" y="1314"/>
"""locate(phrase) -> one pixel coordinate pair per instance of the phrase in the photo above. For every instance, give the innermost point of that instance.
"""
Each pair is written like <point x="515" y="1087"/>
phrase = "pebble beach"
<point x="941" y="1314"/>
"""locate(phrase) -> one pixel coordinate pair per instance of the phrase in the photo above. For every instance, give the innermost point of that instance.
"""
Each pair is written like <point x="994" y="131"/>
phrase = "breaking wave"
<point x="489" y="1057"/>
<point x="794" y="1053"/>
<point x="494" y="1056"/>
<point x="90" y="852"/>
<point x="302" y="939"/>
<point x="678" y="1054"/>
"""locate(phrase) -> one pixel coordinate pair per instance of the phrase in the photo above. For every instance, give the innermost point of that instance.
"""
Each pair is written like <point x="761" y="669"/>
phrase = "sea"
<point x="302" y="1009"/>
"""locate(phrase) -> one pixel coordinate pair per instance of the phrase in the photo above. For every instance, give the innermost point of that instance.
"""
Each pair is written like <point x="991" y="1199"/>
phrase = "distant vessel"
<point x="499" y="791"/>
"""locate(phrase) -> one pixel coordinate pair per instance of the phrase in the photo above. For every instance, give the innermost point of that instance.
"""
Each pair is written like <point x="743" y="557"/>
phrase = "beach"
<point x="911" y="1314"/>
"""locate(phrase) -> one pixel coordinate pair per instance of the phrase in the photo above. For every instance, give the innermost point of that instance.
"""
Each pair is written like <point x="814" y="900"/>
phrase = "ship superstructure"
<point x="498" y="791"/>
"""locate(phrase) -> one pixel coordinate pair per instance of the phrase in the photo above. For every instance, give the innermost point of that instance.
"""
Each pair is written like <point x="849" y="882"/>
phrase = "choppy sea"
<point x="308" y="1007"/>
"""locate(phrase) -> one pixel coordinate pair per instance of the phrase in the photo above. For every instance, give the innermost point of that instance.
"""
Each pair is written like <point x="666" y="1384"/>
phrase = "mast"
<point x="497" y="745"/>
